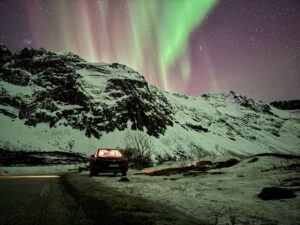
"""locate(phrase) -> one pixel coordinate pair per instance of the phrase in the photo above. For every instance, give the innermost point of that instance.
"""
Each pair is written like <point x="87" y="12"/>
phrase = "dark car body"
<point x="108" y="160"/>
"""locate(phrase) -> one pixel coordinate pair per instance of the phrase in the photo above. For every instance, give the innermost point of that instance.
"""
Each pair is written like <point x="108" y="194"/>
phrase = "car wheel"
<point x="124" y="173"/>
<point x="92" y="173"/>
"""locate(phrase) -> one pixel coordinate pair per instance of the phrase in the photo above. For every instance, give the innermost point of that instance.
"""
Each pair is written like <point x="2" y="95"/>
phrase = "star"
<point x="27" y="41"/>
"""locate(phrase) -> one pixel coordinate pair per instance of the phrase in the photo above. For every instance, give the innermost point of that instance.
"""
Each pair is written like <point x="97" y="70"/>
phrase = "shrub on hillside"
<point x="138" y="149"/>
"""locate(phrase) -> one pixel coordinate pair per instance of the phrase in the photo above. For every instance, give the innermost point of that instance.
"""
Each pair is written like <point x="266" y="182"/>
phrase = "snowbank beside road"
<point x="37" y="170"/>
<point x="223" y="195"/>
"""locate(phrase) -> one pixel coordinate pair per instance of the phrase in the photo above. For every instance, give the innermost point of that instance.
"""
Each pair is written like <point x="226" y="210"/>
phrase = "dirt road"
<point x="77" y="200"/>
<point x="37" y="200"/>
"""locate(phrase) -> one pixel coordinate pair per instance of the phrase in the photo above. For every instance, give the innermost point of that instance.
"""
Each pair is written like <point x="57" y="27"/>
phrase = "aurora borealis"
<point x="185" y="46"/>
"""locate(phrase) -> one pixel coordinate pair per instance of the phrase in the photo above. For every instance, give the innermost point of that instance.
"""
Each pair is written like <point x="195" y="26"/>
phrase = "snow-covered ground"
<point x="222" y="196"/>
<point x="38" y="170"/>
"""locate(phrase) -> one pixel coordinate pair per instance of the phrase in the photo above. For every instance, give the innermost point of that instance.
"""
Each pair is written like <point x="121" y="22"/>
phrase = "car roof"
<point x="109" y="149"/>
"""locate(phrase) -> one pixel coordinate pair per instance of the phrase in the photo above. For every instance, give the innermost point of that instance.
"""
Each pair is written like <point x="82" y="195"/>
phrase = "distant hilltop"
<point x="286" y="105"/>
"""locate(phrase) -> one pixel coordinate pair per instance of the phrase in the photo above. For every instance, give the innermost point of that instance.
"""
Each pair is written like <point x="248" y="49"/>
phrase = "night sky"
<point x="185" y="46"/>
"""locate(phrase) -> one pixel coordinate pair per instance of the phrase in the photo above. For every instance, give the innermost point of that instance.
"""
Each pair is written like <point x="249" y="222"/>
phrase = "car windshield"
<point x="109" y="153"/>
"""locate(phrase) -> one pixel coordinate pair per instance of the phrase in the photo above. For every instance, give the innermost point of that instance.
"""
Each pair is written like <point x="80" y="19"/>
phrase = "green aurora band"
<point x="151" y="36"/>
<point x="177" y="25"/>
<point x="176" y="19"/>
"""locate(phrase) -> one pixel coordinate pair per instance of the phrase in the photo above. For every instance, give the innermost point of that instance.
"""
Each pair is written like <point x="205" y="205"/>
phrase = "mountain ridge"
<point x="58" y="81"/>
<point x="49" y="95"/>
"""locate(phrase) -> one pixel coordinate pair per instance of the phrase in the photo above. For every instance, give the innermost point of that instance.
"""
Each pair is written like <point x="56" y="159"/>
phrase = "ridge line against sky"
<point x="190" y="47"/>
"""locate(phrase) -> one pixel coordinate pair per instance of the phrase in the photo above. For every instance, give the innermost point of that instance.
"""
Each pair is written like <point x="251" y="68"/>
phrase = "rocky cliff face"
<point x="40" y="86"/>
<point x="58" y="101"/>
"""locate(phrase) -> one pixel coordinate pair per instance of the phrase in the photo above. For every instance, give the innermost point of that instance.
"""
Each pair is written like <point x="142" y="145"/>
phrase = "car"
<point x="108" y="160"/>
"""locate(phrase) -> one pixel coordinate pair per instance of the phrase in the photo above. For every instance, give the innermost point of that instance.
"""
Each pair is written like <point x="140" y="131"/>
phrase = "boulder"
<point x="274" y="193"/>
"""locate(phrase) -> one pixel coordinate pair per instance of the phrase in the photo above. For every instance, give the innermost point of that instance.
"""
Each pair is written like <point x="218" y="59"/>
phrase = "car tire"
<point x="92" y="173"/>
<point x="124" y="173"/>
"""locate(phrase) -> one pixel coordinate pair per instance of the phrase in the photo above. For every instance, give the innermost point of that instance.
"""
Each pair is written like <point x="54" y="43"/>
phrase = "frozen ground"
<point x="222" y="196"/>
<point x="38" y="170"/>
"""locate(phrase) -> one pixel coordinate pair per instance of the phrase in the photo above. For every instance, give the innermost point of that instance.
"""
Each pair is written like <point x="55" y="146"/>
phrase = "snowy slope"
<point x="228" y="122"/>
<point x="53" y="101"/>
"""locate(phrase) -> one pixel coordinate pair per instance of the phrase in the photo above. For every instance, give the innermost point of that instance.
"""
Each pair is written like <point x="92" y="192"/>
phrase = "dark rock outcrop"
<point x="286" y="105"/>
<point x="274" y="193"/>
<point x="5" y="55"/>
<point x="62" y="90"/>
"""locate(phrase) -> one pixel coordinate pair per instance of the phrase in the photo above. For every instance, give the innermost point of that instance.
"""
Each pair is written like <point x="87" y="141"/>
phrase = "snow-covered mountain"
<point x="58" y="101"/>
